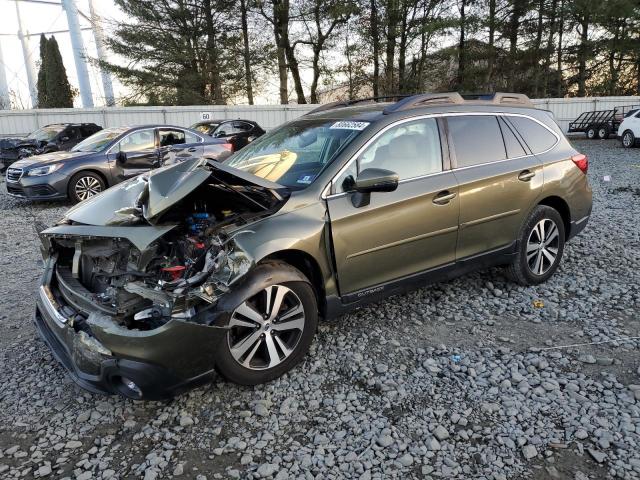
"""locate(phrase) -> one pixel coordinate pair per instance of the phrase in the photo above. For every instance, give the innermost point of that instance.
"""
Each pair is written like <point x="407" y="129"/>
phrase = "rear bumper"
<point x="161" y="363"/>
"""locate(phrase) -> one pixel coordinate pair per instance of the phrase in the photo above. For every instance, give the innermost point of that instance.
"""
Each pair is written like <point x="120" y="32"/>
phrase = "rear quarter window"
<point x="537" y="137"/>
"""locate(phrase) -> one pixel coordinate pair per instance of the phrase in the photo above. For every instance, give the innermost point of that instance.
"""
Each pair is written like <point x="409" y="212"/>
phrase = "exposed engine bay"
<point x="174" y="277"/>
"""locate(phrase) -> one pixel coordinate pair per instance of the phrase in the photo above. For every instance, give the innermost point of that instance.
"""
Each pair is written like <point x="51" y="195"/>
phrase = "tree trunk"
<point x="246" y="51"/>
<point x="549" y="48"/>
<point x="535" y="63"/>
<point x="316" y="72"/>
<point x="461" y="46"/>
<point x="582" y="55"/>
<point x="375" y="40"/>
<point x="280" y="50"/>
<point x="402" y="52"/>
<point x="292" y="62"/>
<point x="492" y="53"/>
<point x="212" y="55"/>
<point x="392" y="32"/>
<point x="559" y="91"/>
<point x="514" y="24"/>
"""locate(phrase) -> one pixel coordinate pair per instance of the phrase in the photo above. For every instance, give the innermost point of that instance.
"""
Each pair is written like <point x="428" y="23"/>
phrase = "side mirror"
<point x="373" y="180"/>
<point x="121" y="158"/>
<point x="64" y="139"/>
<point x="221" y="133"/>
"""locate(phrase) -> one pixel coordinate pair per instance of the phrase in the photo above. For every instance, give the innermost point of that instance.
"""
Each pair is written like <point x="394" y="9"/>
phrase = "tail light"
<point x="227" y="146"/>
<point x="581" y="161"/>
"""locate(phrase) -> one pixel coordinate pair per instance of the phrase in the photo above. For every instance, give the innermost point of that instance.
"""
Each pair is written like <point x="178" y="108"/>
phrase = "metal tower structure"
<point x="28" y="61"/>
<point x="98" y="34"/>
<point x="79" y="52"/>
<point x="4" y="87"/>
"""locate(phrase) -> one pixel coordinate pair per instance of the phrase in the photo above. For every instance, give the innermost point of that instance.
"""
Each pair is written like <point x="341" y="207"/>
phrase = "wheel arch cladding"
<point x="308" y="265"/>
<point x="563" y="209"/>
<point x="264" y="273"/>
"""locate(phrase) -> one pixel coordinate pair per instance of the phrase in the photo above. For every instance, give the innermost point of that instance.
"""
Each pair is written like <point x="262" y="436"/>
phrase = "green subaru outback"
<point x="158" y="282"/>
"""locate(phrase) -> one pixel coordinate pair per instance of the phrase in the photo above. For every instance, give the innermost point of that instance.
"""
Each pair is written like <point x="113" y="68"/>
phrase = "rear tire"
<point x="628" y="139"/>
<point x="84" y="185"/>
<point x="591" y="133"/>
<point x="603" y="133"/>
<point x="271" y="330"/>
<point x="541" y="244"/>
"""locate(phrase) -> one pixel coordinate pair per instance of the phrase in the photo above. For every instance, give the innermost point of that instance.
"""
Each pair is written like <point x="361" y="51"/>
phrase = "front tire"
<point x="628" y="139"/>
<point x="271" y="329"/>
<point x="84" y="185"/>
<point x="541" y="244"/>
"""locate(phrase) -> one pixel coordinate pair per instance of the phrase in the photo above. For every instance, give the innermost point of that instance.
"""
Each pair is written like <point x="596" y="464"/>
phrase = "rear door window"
<point x="476" y="139"/>
<point x="171" y="137"/>
<point x="537" y="137"/>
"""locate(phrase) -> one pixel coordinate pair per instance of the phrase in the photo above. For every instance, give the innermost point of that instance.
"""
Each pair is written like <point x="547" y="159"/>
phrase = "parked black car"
<point x="50" y="138"/>
<point x="106" y="158"/>
<point x="237" y="132"/>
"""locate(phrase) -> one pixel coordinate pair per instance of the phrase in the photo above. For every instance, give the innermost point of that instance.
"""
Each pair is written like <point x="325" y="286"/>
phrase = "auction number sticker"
<point x="346" y="125"/>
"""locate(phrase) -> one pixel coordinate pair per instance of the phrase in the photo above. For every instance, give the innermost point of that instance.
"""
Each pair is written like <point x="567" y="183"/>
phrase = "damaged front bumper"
<point x="151" y="364"/>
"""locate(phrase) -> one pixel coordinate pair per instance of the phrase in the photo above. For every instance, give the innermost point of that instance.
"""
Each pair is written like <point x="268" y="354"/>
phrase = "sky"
<point x="38" y="18"/>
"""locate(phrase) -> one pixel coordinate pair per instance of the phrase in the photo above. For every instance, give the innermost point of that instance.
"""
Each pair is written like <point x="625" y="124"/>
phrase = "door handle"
<point x="526" y="175"/>
<point x="192" y="149"/>
<point x="444" y="197"/>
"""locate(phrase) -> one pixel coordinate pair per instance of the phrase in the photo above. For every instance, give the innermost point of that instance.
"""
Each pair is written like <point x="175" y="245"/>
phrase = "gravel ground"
<point x="456" y="380"/>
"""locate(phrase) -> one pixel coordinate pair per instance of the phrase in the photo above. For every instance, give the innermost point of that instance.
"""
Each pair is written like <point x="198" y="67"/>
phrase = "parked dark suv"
<point x="106" y="158"/>
<point x="153" y="284"/>
<point x="50" y="138"/>
<point x="239" y="133"/>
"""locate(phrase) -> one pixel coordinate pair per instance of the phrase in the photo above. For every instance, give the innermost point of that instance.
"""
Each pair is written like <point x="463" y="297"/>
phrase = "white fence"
<point x="21" y="122"/>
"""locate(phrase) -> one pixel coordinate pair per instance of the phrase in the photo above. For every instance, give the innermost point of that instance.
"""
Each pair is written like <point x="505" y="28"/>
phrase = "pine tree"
<point x="54" y="90"/>
<point x="59" y="93"/>
<point x="42" y="74"/>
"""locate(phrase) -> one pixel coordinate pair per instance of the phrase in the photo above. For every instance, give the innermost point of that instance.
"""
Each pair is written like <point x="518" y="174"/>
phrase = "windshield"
<point x="294" y="154"/>
<point x="98" y="141"/>
<point x="46" y="134"/>
<point x="205" y="127"/>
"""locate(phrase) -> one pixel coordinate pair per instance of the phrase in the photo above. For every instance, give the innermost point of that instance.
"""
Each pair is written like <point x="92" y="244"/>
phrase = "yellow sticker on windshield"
<point x="346" y="125"/>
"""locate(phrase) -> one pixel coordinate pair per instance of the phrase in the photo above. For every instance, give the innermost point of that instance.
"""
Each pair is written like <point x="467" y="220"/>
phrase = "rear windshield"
<point x="294" y="154"/>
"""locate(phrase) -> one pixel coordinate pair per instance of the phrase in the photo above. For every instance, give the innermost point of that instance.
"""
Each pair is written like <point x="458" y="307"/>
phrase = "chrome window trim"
<point x="326" y="196"/>
<point x="127" y="136"/>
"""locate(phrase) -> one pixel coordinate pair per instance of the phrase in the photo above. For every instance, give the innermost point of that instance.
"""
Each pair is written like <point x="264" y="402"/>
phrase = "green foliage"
<point x="54" y="90"/>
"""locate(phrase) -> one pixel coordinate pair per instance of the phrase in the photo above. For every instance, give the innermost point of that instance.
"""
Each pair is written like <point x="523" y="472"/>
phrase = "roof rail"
<point x="426" y="99"/>
<point x="423" y="100"/>
<point x="500" y="98"/>
<point x="348" y="103"/>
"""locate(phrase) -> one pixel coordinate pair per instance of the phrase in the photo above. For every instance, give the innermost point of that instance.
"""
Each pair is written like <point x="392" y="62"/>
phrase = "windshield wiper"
<point x="233" y="189"/>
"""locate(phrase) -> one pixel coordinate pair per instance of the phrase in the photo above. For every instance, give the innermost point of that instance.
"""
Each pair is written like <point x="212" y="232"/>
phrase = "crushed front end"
<point x="132" y="309"/>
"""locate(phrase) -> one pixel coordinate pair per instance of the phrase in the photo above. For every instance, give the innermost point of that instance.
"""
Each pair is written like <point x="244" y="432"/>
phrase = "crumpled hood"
<point x="11" y="143"/>
<point x="155" y="192"/>
<point x="47" y="158"/>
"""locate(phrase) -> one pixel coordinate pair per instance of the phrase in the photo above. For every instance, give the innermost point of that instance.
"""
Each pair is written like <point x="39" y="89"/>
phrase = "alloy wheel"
<point x="542" y="246"/>
<point x="266" y="328"/>
<point x="87" y="187"/>
<point x="626" y="139"/>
